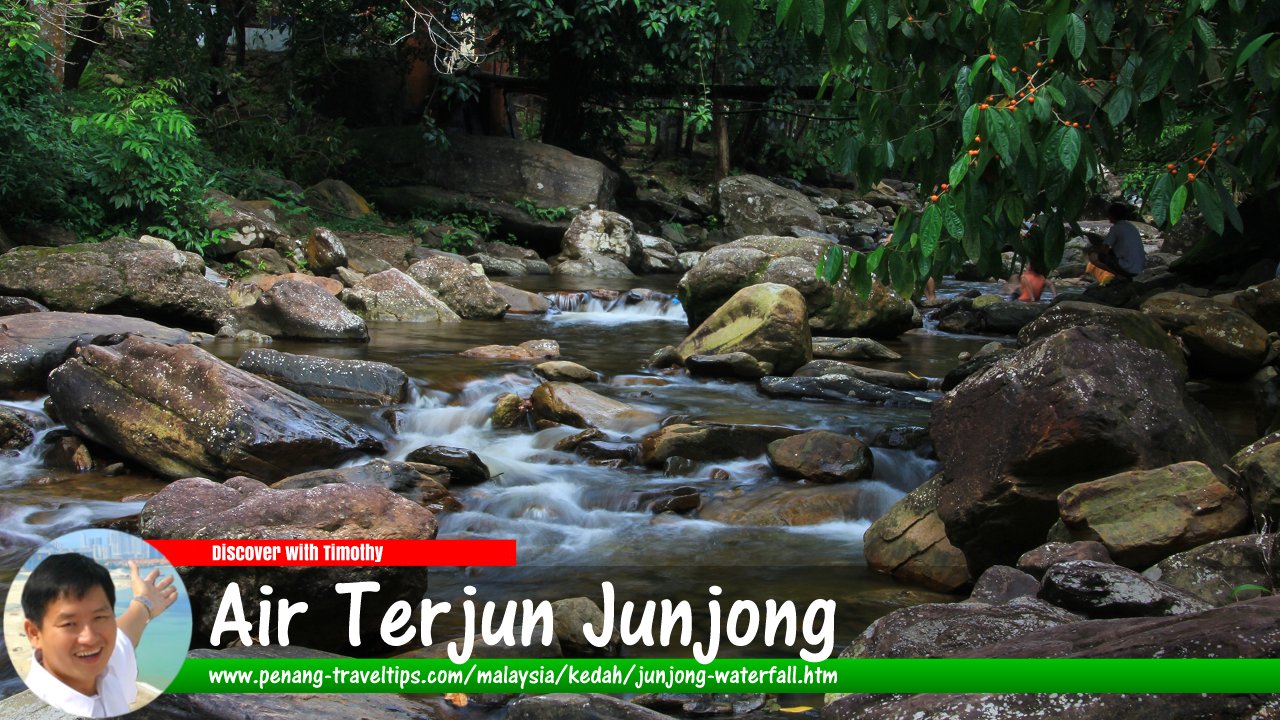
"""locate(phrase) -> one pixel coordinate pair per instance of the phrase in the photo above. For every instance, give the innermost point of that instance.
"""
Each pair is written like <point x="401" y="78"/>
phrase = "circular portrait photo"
<point x="97" y="623"/>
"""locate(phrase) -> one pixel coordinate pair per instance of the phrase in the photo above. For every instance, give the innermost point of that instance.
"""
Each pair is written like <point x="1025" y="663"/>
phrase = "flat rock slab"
<point x="33" y="344"/>
<point x="577" y="406"/>
<point x="182" y="412"/>
<point x="829" y="348"/>
<point x="703" y="441"/>
<point x="895" y="380"/>
<point x="355" y="382"/>
<point x="838" y="387"/>
<point x="1103" y="590"/>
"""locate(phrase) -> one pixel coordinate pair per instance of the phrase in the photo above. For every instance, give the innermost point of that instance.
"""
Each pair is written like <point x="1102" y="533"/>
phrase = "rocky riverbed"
<point x="733" y="419"/>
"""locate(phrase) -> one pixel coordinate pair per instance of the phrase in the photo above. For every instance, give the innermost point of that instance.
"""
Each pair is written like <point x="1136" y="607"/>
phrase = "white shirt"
<point x="117" y="685"/>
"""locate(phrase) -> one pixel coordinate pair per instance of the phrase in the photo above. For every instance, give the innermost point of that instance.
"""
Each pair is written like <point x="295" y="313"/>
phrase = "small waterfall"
<point x="606" y="306"/>
<point x="28" y="461"/>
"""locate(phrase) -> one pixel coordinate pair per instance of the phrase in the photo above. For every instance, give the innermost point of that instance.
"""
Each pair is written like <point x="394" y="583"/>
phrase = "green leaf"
<point x="958" y="170"/>
<point x="903" y="273"/>
<point x="1177" y="203"/>
<point x="1076" y="33"/>
<point x="969" y="125"/>
<point x="930" y="229"/>
<point x="814" y="14"/>
<point x="874" y="257"/>
<point x="862" y="280"/>
<point x="1069" y="150"/>
<point x="1209" y="203"/>
<point x="1228" y="206"/>
<point x="1159" y="198"/>
<point x="1249" y="587"/>
<point x="977" y="5"/>
<point x="977" y="66"/>
<point x="951" y="219"/>
<point x="1008" y="31"/>
<point x="1252" y="48"/>
<point x="1117" y="107"/>
<point x="738" y="15"/>
<point x="832" y="264"/>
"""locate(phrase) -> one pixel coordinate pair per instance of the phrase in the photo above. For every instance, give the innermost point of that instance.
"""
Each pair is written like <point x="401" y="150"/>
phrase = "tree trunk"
<point x="93" y="32"/>
<point x="418" y="81"/>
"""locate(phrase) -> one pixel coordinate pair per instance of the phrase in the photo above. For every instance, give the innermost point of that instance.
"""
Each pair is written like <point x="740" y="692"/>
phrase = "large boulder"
<point x="371" y="253"/>
<point x="1133" y="324"/>
<point x="18" y="428"/>
<point x="1223" y="572"/>
<point x="766" y="321"/>
<point x="821" y="456"/>
<point x="492" y="167"/>
<point x="1144" y="516"/>
<point x="469" y="295"/>
<point x="334" y="197"/>
<point x="1262" y="303"/>
<point x="1221" y="340"/>
<point x="120" y="276"/>
<point x="423" y="484"/>
<point x="304" y="311"/>
<point x="243" y="226"/>
<point x="33" y="344"/>
<point x="603" y="233"/>
<point x="245" y="509"/>
<point x="751" y="205"/>
<point x="1082" y="404"/>
<point x="572" y="404"/>
<point x="324" y="251"/>
<point x="1257" y="468"/>
<point x="940" y="630"/>
<point x="355" y="382"/>
<point x="393" y="295"/>
<point x="1102" y="590"/>
<point x="181" y="412"/>
<point x="833" y="310"/>
<point x="704" y="441"/>
<point x="910" y="543"/>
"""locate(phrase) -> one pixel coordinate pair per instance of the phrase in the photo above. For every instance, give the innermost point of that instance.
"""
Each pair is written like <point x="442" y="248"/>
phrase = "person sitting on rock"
<point x="1122" y="253"/>
<point x="1031" y="283"/>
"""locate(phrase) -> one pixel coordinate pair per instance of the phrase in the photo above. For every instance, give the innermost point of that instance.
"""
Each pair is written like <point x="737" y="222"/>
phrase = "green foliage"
<point x="541" y="213"/>
<point x="1006" y="110"/>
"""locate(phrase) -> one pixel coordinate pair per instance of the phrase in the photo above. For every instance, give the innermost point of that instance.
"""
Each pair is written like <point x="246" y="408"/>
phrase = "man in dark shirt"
<point x="1123" y="253"/>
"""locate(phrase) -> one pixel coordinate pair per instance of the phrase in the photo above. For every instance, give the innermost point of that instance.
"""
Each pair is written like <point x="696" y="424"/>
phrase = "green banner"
<point x="227" y="675"/>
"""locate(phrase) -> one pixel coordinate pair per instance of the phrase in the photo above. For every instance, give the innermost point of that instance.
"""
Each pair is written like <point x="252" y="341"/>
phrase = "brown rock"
<point x="910" y="543"/>
<point x="821" y="456"/>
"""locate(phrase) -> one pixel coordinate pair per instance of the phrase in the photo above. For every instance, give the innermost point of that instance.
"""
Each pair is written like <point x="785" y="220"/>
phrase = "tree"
<point x="1007" y="109"/>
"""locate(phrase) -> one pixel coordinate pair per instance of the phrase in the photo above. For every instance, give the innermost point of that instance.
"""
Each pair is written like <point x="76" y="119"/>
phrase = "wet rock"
<point x="972" y="365"/>
<point x="941" y="630"/>
<point x="574" y="405"/>
<point x="602" y="233"/>
<point x="766" y="321"/>
<point x="703" y="441"/>
<point x="751" y="205"/>
<point x="1082" y="404"/>
<point x="1008" y="318"/>
<point x="837" y="387"/>
<point x="497" y="266"/>
<point x="899" y="381"/>
<point x="1103" y="590"/>
<point x="790" y="505"/>
<point x="910" y="543"/>
<point x="699" y="705"/>
<point x="838" y="310"/>
<point x="522" y="302"/>
<point x="571" y="443"/>
<point x="301" y="310"/>
<point x="1262" y="304"/>
<point x="563" y="706"/>
<point x="828" y="348"/>
<point x="329" y="285"/>
<point x="464" y="466"/>
<point x="18" y="428"/>
<point x="262" y="260"/>
<point x="733" y="364"/>
<point x="244" y="509"/>
<point x="1257" y="468"/>
<point x="119" y="276"/>
<point x="1219" y="573"/>
<point x="393" y="295"/>
<point x="528" y="350"/>
<point x="372" y="253"/>
<point x="905" y="437"/>
<point x="19" y="305"/>
<point x="471" y="296"/>
<point x="570" y="615"/>
<point x="33" y="344"/>
<point x="335" y="197"/>
<point x="1144" y="516"/>
<point x="665" y="357"/>
<point x="822" y="457"/>
<point x="423" y="484"/>
<point x="681" y="499"/>
<point x="1221" y="341"/>
<point x="357" y="382"/>
<point x="1000" y="583"/>
<point x="182" y="412"/>
<point x="1035" y="562"/>
<point x="325" y="252"/>
<point x="68" y="452"/>
<point x="564" y="370"/>
<point x="593" y="266"/>
<point x="1131" y="323"/>
<point x="508" y="412"/>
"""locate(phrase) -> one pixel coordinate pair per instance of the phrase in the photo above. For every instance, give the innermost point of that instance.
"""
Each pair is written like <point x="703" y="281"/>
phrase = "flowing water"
<point x="576" y="524"/>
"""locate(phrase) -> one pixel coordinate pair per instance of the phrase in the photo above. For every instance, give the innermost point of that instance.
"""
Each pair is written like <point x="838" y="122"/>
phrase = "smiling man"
<point x="84" y="655"/>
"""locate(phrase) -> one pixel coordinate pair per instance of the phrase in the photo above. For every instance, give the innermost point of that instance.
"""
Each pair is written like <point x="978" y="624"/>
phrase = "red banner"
<point x="316" y="553"/>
